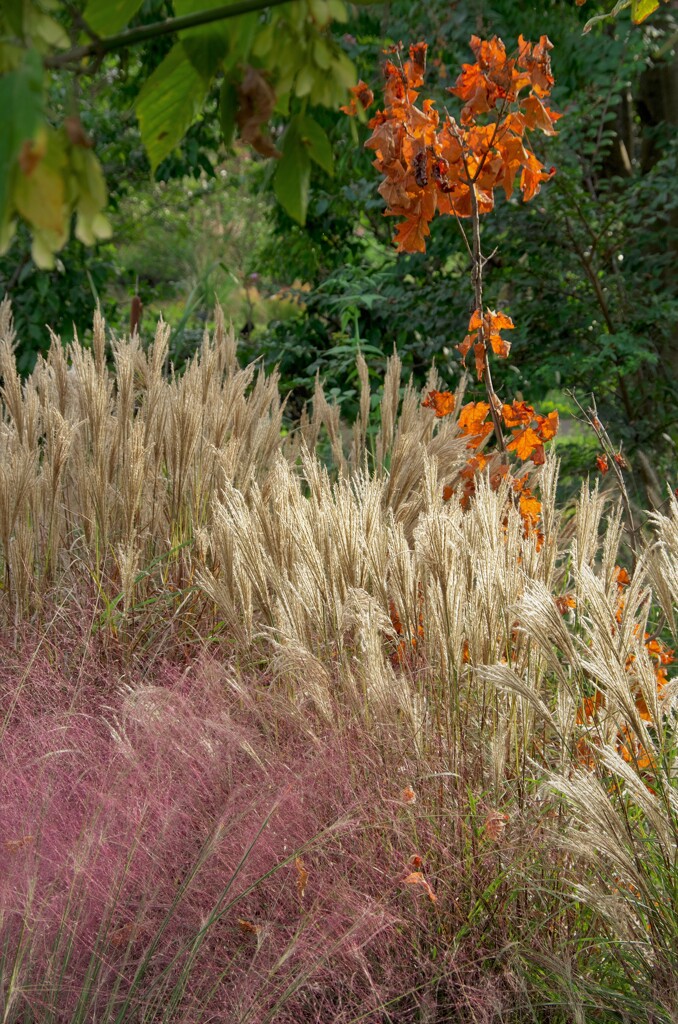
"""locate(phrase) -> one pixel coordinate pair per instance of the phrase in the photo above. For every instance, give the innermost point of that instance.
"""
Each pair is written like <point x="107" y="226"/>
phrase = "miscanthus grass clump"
<point x="289" y="735"/>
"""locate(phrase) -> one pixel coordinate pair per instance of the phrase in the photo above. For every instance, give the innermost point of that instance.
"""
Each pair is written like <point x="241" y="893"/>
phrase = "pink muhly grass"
<point x="149" y="842"/>
<point x="104" y="815"/>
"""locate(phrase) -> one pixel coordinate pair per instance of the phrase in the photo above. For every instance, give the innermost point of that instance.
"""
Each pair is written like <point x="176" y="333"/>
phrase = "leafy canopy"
<point x="266" y="59"/>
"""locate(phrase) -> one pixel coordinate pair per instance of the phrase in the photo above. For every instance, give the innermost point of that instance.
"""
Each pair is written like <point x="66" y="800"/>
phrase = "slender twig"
<point x="591" y="417"/>
<point x="98" y="48"/>
<point x="478" y="265"/>
<point x="479" y="262"/>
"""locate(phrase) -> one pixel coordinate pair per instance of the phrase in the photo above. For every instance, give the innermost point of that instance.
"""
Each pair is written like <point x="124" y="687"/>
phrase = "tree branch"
<point x="133" y="36"/>
<point x="478" y="264"/>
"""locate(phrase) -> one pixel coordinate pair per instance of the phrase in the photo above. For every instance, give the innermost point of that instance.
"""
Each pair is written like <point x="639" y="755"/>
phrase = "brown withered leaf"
<point x="76" y="133"/>
<point x="256" y="100"/>
<point x="30" y="155"/>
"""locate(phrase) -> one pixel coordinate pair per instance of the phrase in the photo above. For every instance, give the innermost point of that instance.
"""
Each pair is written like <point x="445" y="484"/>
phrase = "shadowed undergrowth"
<point x="288" y="737"/>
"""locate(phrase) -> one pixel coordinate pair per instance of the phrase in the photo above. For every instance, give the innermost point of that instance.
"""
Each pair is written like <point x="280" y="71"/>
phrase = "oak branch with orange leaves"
<point x="448" y="166"/>
<point x="431" y="167"/>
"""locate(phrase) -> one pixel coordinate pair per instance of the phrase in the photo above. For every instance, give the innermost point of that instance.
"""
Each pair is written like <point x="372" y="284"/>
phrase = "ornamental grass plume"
<point x="271" y="646"/>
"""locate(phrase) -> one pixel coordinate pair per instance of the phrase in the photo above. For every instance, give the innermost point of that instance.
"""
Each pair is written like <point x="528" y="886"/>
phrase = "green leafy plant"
<point x="50" y="172"/>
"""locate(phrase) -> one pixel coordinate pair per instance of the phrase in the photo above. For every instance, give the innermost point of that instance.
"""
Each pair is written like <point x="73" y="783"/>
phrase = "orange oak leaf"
<point x="480" y="358"/>
<point x="548" y="425"/>
<point x="464" y="347"/>
<point x="536" y="59"/>
<point x="395" y="618"/>
<point x="441" y="401"/>
<point x="361" y="94"/>
<point x="537" y="115"/>
<point x="415" y="67"/>
<point x="589" y="708"/>
<point x="530" y="507"/>
<point x="524" y="443"/>
<point x="497" y="322"/>
<point x="517" y="414"/>
<point x="417" y="878"/>
<point x="395" y="91"/>
<point x="622" y="577"/>
<point x="412" y="234"/>
<point x="532" y="176"/>
<point x="539" y="455"/>
<point x="472" y="423"/>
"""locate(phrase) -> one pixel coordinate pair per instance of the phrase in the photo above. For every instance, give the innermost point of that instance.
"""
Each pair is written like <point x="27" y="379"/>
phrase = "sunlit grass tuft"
<point x="289" y="737"/>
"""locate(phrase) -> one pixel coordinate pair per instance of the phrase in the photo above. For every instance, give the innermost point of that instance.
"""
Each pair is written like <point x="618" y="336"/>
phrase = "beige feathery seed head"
<point x="662" y="559"/>
<point x="358" y="566"/>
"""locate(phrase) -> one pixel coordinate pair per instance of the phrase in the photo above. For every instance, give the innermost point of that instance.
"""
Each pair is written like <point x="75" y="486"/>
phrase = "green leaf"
<point x="242" y="33"/>
<point x="205" y="50"/>
<point x="168" y="103"/>
<point x="109" y="16"/>
<point x="642" y="9"/>
<point x="47" y="31"/>
<point x="293" y="175"/>
<point x="205" y="45"/>
<point x="228" y="108"/>
<point x="21" y="101"/>
<point x="317" y="144"/>
<point x="14" y="13"/>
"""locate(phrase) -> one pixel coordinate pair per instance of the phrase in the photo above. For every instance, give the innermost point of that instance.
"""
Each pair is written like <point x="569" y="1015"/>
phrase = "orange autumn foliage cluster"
<point x="447" y="166"/>
<point x="529" y="430"/>
<point x="483" y="330"/>
<point x="434" y="166"/>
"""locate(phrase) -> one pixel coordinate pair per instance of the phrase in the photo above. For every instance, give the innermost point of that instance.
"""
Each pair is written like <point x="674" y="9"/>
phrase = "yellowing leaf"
<point x="642" y="9"/>
<point x="40" y="197"/>
<point x="21" y="105"/>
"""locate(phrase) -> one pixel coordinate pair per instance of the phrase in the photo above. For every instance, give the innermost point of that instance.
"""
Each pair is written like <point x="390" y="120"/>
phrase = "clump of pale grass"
<point x="510" y="680"/>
